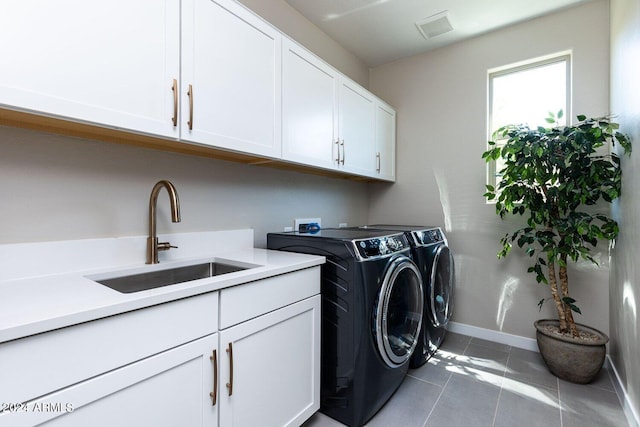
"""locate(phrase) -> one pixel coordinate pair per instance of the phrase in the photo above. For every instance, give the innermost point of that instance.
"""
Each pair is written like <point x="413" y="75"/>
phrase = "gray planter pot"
<point x="571" y="359"/>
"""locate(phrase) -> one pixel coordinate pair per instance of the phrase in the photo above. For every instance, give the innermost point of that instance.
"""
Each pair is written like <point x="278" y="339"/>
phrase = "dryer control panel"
<point x="377" y="247"/>
<point x="429" y="237"/>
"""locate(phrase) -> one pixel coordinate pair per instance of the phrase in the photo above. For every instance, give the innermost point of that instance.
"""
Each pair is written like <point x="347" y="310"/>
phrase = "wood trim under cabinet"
<point x="27" y="120"/>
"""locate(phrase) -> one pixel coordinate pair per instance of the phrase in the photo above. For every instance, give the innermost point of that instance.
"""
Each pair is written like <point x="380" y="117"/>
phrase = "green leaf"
<point x="570" y="303"/>
<point x="581" y="118"/>
<point x="560" y="114"/>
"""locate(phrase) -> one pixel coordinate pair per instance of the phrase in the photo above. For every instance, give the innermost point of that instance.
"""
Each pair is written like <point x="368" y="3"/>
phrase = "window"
<point x="526" y="94"/>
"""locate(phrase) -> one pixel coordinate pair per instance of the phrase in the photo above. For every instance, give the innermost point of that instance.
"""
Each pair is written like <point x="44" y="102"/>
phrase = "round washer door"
<point x="442" y="284"/>
<point x="399" y="311"/>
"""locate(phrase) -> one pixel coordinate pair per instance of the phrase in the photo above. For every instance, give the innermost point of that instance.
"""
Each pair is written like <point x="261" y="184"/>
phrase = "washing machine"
<point x="372" y="311"/>
<point x="434" y="260"/>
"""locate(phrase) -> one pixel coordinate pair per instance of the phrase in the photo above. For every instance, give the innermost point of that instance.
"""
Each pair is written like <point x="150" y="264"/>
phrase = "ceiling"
<point x="381" y="31"/>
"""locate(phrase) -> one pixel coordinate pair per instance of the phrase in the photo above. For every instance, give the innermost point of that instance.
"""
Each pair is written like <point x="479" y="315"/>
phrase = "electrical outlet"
<point x="288" y="229"/>
<point x="307" y="225"/>
<point x="343" y="225"/>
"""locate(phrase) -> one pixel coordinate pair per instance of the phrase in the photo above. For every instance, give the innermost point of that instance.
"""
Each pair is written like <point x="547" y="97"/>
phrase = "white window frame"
<point x="566" y="57"/>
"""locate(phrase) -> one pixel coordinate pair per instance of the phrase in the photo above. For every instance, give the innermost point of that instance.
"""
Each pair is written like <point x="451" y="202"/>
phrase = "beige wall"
<point x="60" y="188"/>
<point x="441" y="100"/>
<point x="625" y="271"/>
<point x="288" y="20"/>
<point x="57" y="187"/>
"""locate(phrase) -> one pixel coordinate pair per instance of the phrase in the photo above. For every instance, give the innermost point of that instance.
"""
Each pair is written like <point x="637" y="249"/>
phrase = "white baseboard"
<point x="531" y="344"/>
<point x="627" y="407"/>
<point x="495" y="336"/>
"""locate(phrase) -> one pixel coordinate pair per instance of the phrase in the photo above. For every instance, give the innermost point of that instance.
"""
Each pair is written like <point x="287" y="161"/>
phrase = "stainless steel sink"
<point x="171" y="276"/>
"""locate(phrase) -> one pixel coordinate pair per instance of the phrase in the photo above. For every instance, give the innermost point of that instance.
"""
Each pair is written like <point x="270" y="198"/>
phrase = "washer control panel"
<point x="381" y="246"/>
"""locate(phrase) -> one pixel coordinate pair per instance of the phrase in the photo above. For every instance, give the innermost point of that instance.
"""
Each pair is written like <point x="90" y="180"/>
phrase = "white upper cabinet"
<point x="331" y="122"/>
<point x="231" y="78"/>
<point x="385" y="142"/>
<point x="109" y="63"/>
<point x="309" y="108"/>
<point x="205" y="72"/>
<point x="356" y="129"/>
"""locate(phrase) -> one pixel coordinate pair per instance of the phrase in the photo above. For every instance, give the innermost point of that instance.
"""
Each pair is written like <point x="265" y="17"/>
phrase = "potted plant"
<point x="553" y="176"/>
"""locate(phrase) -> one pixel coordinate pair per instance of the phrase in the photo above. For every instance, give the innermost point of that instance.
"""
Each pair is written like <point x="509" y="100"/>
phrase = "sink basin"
<point x="171" y="276"/>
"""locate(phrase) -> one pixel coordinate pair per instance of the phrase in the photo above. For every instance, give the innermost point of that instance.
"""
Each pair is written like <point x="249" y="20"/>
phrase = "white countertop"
<point x="36" y="304"/>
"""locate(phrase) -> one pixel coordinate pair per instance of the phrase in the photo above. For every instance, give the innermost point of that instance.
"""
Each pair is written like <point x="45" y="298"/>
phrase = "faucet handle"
<point x="165" y="246"/>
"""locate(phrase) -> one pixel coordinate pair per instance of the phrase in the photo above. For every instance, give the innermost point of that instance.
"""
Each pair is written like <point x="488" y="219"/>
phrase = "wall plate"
<point x="303" y="225"/>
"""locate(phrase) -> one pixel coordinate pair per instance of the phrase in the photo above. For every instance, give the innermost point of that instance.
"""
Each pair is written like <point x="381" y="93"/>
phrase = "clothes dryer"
<point x="434" y="259"/>
<point x="372" y="310"/>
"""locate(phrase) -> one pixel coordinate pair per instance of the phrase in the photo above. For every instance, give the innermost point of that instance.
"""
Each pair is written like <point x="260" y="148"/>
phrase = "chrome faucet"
<point x="153" y="246"/>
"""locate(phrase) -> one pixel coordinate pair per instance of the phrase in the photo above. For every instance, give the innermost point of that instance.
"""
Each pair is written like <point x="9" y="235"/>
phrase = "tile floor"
<point x="472" y="382"/>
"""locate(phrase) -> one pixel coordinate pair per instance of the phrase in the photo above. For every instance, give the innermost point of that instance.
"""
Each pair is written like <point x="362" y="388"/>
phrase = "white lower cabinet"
<point x="47" y="362"/>
<point x="270" y="368"/>
<point x="141" y="368"/>
<point x="169" y="389"/>
<point x="248" y="355"/>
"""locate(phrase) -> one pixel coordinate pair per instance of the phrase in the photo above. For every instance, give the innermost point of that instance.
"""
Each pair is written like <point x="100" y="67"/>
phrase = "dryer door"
<point x="442" y="285"/>
<point x="399" y="311"/>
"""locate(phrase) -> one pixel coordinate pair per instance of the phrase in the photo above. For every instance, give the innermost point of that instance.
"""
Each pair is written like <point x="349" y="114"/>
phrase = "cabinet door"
<point x="385" y="142"/>
<point x="89" y="349"/>
<point x="309" y="108"/>
<point x="171" y="388"/>
<point x="357" y="120"/>
<point x="109" y="63"/>
<point x="231" y="78"/>
<point x="270" y="370"/>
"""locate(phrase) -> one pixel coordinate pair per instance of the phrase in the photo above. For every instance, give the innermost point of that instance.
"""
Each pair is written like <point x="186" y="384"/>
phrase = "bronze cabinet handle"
<point x="378" y="162"/>
<point x="343" y="152"/>
<point x="174" y="88"/>
<point x="190" y="94"/>
<point x="214" y="393"/>
<point x="230" y="383"/>
<point x="338" y="147"/>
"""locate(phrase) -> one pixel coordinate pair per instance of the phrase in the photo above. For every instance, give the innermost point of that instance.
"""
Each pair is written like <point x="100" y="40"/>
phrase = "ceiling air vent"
<point x="434" y="25"/>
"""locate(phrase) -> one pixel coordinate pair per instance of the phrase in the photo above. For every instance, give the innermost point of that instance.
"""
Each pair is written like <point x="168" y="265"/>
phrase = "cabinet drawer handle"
<point x="214" y="393"/>
<point x="190" y="94"/>
<point x="378" y="162"/>
<point x="230" y="383"/>
<point x="338" y="148"/>
<point x="343" y="153"/>
<point x="174" y="88"/>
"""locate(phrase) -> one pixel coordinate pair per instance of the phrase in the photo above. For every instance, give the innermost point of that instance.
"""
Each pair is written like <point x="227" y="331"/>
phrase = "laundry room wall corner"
<point x="441" y="103"/>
